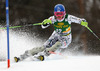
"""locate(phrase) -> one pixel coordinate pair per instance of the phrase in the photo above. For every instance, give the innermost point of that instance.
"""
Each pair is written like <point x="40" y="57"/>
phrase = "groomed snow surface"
<point x="69" y="63"/>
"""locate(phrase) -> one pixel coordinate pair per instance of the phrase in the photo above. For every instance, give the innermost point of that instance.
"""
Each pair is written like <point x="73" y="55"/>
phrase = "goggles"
<point x="59" y="13"/>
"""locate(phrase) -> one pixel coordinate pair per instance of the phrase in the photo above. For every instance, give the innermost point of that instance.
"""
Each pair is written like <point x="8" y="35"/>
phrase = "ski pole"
<point x="92" y="32"/>
<point x="38" y="24"/>
<point x="11" y="27"/>
<point x="21" y="26"/>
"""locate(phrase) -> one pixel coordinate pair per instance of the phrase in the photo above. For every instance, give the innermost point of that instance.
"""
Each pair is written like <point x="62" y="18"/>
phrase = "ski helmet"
<point x="59" y="11"/>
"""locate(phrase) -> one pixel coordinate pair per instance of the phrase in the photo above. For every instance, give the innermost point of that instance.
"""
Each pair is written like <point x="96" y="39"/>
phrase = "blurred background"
<point x="25" y="12"/>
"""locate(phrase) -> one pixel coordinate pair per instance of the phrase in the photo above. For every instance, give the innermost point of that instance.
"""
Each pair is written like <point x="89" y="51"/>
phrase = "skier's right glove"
<point x="46" y="22"/>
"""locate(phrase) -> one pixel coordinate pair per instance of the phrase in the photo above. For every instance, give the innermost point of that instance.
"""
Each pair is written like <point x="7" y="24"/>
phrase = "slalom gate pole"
<point x="7" y="23"/>
<point x="93" y="32"/>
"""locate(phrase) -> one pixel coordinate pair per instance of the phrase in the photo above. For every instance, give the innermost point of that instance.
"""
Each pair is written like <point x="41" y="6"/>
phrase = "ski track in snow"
<point x="19" y="42"/>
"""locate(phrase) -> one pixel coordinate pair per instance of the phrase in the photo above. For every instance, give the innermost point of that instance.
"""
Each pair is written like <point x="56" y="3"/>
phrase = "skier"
<point x="60" y="38"/>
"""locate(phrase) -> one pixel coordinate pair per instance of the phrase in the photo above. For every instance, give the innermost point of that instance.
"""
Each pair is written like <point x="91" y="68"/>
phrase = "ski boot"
<point x="41" y="58"/>
<point x="16" y="59"/>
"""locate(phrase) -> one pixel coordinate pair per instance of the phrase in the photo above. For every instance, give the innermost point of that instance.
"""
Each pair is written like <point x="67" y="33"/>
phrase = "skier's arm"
<point x="81" y="21"/>
<point x="74" y="19"/>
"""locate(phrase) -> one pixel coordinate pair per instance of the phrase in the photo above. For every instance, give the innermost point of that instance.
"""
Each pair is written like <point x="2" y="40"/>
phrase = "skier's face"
<point x="59" y="15"/>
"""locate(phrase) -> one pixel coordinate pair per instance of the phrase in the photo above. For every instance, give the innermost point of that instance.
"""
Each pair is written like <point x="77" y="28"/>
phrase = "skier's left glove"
<point x="84" y="23"/>
<point x="46" y="22"/>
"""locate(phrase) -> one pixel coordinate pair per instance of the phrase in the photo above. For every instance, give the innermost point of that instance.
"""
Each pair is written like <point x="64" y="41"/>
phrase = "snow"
<point x="20" y="43"/>
<point x="70" y="63"/>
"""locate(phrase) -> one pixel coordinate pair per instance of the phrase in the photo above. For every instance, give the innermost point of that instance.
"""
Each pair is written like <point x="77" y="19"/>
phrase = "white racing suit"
<point x="64" y="37"/>
<point x="60" y="38"/>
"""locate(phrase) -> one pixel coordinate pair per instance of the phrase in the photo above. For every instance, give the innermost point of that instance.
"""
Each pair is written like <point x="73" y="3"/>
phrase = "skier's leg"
<point x="23" y="56"/>
<point x="49" y="45"/>
<point x="52" y="44"/>
<point x="39" y="51"/>
<point x="36" y="50"/>
<point x="51" y="41"/>
<point x="47" y="51"/>
<point x="65" y="41"/>
<point x="31" y="52"/>
<point x="62" y="43"/>
<point x="56" y="46"/>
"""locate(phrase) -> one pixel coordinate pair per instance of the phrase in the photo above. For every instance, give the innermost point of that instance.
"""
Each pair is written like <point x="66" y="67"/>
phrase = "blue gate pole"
<point x="7" y="23"/>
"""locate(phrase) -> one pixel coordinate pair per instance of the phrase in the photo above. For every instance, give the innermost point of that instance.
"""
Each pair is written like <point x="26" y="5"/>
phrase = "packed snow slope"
<point x="70" y="63"/>
<point x="19" y="42"/>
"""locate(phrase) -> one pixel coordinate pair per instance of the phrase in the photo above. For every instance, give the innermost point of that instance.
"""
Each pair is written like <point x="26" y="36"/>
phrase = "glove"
<point x="46" y="21"/>
<point x="83" y="23"/>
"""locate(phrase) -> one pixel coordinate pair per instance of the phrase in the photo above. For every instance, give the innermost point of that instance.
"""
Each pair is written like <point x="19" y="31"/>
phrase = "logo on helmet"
<point x="58" y="9"/>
